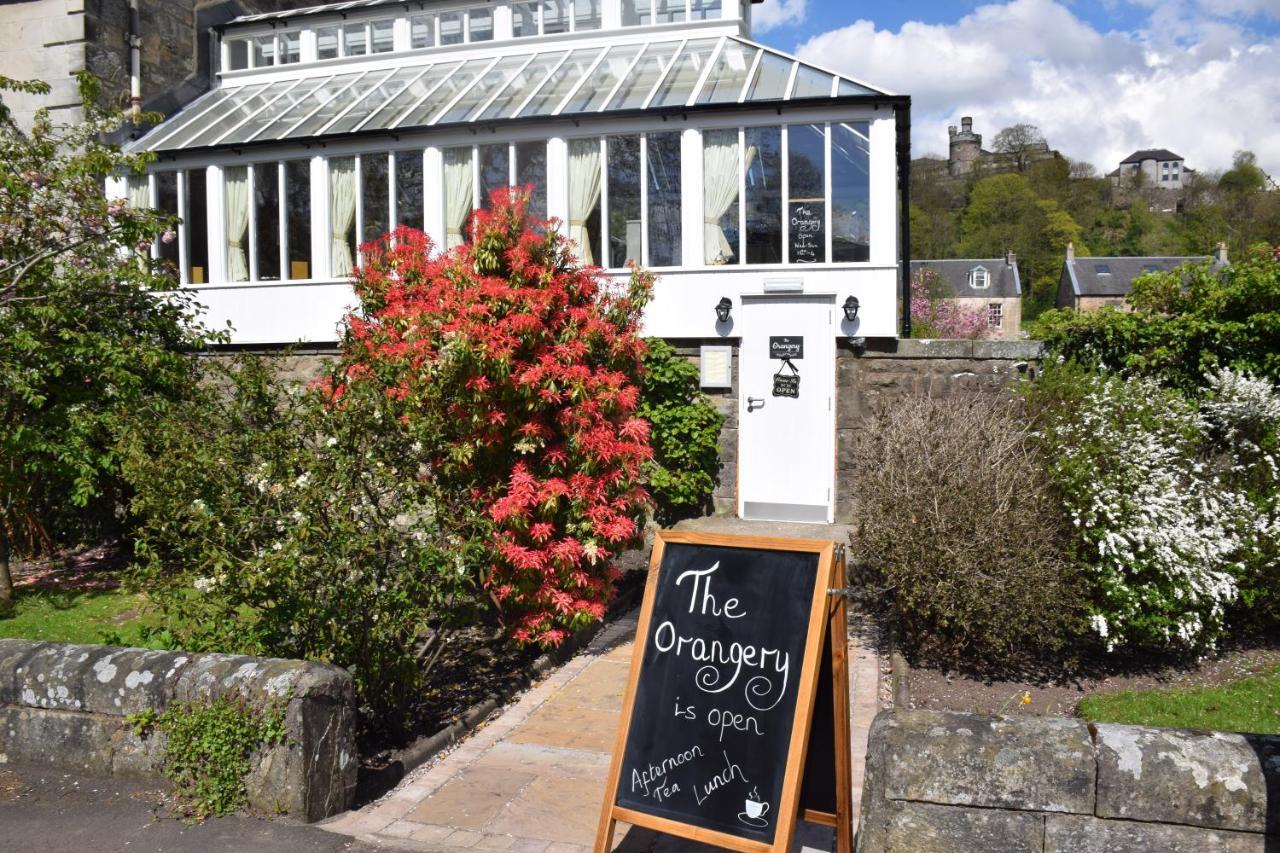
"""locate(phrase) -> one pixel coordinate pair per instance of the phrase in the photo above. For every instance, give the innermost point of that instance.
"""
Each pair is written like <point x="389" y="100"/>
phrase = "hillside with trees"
<point x="1036" y="208"/>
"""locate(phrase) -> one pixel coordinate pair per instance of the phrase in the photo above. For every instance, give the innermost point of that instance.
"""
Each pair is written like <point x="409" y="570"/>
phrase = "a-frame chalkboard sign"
<point x="736" y="719"/>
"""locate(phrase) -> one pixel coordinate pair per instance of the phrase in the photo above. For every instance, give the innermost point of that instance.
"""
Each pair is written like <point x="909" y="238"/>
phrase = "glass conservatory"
<point x="653" y="131"/>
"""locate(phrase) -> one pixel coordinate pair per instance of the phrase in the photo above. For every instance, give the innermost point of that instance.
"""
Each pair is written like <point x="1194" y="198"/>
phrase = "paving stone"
<point x="553" y="809"/>
<point x="432" y="834"/>
<point x="463" y="838"/>
<point x="472" y="799"/>
<point x="495" y="842"/>
<point x="570" y="728"/>
<point x="600" y="687"/>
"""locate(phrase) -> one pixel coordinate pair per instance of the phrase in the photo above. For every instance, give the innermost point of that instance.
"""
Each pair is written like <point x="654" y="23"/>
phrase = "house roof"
<point x="1160" y="155"/>
<point x="430" y="90"/>
<point x="1005" y="279"/>
<point x="1114" y="276"/>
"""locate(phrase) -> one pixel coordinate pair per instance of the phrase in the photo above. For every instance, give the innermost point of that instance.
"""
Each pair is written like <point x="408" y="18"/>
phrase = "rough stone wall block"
<point x="68" y="704"/>
<point x="1082" y="834"/>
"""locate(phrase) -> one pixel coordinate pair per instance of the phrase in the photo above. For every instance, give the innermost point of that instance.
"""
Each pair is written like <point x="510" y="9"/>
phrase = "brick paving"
<point x="532" y="778"/>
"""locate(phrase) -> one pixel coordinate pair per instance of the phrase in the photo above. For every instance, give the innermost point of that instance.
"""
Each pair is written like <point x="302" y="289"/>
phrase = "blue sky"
<point x="1101" y="78"/>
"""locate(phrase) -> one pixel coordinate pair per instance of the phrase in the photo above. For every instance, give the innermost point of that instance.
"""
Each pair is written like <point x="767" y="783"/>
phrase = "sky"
<point x="1100" y="78"/>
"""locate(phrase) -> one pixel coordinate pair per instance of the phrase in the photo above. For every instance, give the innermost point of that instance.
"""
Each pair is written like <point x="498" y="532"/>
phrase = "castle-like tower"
<point x="966" y="148"/>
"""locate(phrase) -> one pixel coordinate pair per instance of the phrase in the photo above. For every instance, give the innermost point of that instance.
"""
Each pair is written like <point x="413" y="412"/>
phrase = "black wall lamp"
<point x="851" y="308"/>
<point x="723" y="307"/>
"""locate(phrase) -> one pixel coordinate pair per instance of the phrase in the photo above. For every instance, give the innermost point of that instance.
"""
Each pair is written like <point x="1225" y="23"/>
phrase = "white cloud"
<point x="1201" y="86"/>
<point x="776" y="13"/>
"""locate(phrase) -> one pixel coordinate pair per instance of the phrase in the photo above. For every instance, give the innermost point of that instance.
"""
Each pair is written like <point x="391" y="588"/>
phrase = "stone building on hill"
<point x="967" y="156"/>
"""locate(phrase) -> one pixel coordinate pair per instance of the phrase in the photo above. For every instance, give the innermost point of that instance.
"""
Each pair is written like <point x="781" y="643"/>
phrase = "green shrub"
<point x="269" y="522"/>
<point x="957" y="521"/>
<point x="685" y="435"/>
<point x="209" y="748"/>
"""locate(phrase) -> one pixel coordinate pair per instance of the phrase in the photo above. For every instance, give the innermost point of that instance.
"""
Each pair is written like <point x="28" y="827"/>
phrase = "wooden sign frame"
<point x="827" y="613"/>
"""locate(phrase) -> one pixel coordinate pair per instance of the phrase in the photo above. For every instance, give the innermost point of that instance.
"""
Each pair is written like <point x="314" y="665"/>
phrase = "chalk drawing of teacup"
<point x="756" y="810"/>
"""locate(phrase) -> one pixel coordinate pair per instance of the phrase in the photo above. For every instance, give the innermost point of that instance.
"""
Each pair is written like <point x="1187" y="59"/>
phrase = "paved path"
<point x="533" y="777"/>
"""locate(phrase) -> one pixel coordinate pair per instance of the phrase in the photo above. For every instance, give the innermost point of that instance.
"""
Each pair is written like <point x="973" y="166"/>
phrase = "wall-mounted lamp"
<point x="851" y="308"/>
<point x="723" y="307"/>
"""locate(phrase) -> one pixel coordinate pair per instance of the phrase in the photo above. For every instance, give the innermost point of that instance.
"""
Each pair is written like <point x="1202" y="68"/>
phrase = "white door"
<point x="786" y="443"/>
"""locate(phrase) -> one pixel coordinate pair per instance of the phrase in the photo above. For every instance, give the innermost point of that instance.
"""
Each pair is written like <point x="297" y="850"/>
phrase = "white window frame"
<point x="995" y="315"/>
<point x="539" y="24"/>
<point x="689" y="6"/>
<point x="979" y="273"/>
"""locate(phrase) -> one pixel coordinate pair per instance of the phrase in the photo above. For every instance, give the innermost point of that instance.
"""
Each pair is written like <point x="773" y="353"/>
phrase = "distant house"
<point x="1160" y="167"/>
<point x="1087" y="283"/>
<point x="991" y="285"/>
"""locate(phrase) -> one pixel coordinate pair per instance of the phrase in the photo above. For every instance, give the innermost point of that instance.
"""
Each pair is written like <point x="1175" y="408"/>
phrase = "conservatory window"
<point x="327" y="43"/>
<point x="555" y="16"/>
<point x="585" y="184"/>
<point x="663" y="176"/>
<point x="636" y="12"/>
<point x="480" y="25"/>
<point x="494" y="170"/>
<point x="668" y="11"/>
<point x="771" y="79"/>
<point x="237" y="54"/>
<point x="422" y="31"/>
<point x="290" y="48"/>
<point x="762" y="212"/>
<point x="355" y="40"/>
<point x="236" y="206"/>
<point x="384" y="40"/>
<point x="624" y="218"/>
<point x="524" y="20"/>
<point x="720" y="210"/>
<point x="531" y="170"/>
<point x="297" y="194"/>
<point x="850" y="191"/>
<point x="409" y="201"/>
<point x="806" y="191"/>
<point x="458" y="190"/>
<point x="266" y="224"/>
<point x="264" y="51"/>
<point x="451" y="28"/>
<point x="167" y="203"/>
<point x="195" y="226"/>
<point x="375" y="197"/>
<point x="586" y="15"/>
<point x="342" y="216"/>
<point x="704" y="10"/>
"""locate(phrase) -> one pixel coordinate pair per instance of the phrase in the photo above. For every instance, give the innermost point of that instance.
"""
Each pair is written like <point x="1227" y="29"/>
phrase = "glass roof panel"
<point x="678" y="85"/>
<point x="410" y="97"/>
<point x="478" y="95"/>
<point x="444" y="93"/>
<point x="328" y="91"/>
<point x="725" y="83"/>
<point x="315" y="123"/>
<point x="848" y="87"/>
<point x="277" y="108"/>
<point x="215" y="120"/>
<point x="811" y="83"/>
<point x="376" y="99"/>
<point x="770" y="83"/>
<point x="593" y="92"/>
<point x="635" y="90"/>
<point x="191" y="112"/>
<point x="505" y="105"/>
<point x="561" y="81"/>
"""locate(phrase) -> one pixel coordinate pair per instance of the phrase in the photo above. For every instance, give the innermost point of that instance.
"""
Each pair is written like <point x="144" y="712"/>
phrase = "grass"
<point x="98" y="616"/>
<point x="1248" y="705"/>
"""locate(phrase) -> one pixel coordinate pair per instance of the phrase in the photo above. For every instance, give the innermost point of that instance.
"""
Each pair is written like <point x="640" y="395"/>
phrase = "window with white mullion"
<point x="355" y="102"/>
<point x="253" y="222"/>
<point x="671" y="64"/>
<point x="603" y="260"/>
<point x="706" y="72"/>
<point x="250" y="117"/>
<point x="412" y="108"/>
<point x="359" y="207"/>
<point x="644" y="200"/>
<point x="153" y="201"/>
<point x="742" y="195"/>
<point x="826" y="192"/>
<point x="533" y="90"/>
<point x="182" y="228"/>
<point x="499" y="90"/>
<point x="465" y="89"/>
<point x="786" y="193"/>
<point x="338" y="94"/>
<point x="751" y="76"/>
<point x="282" y="211"/>
<point x="477" y="185"/>
<point x="393" y="191"/>
<point x="791" y="80"/>
<point x="622" y="78"/>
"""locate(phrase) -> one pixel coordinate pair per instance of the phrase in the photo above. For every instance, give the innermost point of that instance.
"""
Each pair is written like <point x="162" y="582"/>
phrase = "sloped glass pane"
<point x="593" y="92"/>
<point x="311" y="101"/>
<point x="725" y="83"/>
<point x="375" y="100"/>
<point x="334" y="108"/>
<point x="158" y="138"/>
<point x="770" y="83"/>
<point x="387" y="114"/>
<point x="848" y="87"/>
<point x="236" y="109"/>
<point x="272" y="113"/>
<point x="640" y="82"/>
<point x="561" y="82"/>
<point x="812" y="83"/>
<point x="521" y="85"/>
<point x="445" y="92"/>
<point x="493" y="80"/>
<point x="678" y="85"/>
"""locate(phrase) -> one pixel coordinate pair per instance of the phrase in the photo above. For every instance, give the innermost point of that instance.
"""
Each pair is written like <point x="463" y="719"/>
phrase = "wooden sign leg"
<point x="840" y="686"/>
<point x="604" y="833"/>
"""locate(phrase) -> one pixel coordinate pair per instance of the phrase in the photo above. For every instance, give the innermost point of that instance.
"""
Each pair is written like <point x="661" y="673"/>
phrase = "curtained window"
<point x="584" y="198"/>
<point x="458" y="188"/>
<point x="236" y="206"/>
<point x="342" y="216"/>
<point x="720" y="176"/>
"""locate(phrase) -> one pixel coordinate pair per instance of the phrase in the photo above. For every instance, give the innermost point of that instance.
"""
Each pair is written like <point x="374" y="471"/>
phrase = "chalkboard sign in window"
<point x="719" y="708"/>
<point x="808" y="232"/>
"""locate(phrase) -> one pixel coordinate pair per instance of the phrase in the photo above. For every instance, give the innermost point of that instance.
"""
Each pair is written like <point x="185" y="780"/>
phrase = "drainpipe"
<point x="902" y="113"/>
<point x="135" y="63"/>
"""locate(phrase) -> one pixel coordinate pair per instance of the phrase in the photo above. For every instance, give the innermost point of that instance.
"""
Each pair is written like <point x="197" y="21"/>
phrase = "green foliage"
<point x="271" y="522"/>
<point x="1184" y="324"/>
<point x="1247" y="705"/>
<point x="82" y="335"/>
<point x="209" y="748"/>
<point x="957" y="523"/>
<point x="684" y="435"/>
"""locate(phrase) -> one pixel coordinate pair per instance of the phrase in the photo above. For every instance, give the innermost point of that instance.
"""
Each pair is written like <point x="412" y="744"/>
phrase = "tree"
<point x="1019" y="140"/>
<point x="82" y="335"/>
<point x="936" y="314"/>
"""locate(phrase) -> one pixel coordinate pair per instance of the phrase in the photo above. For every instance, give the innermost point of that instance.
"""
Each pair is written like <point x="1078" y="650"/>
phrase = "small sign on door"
<point x="786" y="346"/>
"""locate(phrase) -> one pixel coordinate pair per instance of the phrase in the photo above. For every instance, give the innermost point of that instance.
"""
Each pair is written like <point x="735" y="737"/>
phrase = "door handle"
<point x="754" y="403"/>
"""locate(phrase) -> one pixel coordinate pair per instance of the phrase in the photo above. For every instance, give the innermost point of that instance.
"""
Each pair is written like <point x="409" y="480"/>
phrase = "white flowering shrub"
<point x="1165" y="497"/>
<point x="270" y="522"/>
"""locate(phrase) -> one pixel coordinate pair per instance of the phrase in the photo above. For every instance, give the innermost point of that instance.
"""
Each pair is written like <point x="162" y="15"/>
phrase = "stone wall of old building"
<point x="940" y="782"/>
<point x="43" y="40"/>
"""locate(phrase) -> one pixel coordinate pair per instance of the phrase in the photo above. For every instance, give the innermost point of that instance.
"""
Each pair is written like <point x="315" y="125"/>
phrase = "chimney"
<point x="1071" y="252"/>
<point x="1220" y="255"/>
<point x="1010" y="258"/>
<point x="966" y="124"/>
<point x="951" y="130"/>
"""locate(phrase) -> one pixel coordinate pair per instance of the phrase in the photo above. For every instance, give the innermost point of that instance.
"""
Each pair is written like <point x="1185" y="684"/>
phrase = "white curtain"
<point x="138" y="192"/>
<point x="584" y="192"/>
<point x="237" y="208"/>
<point x="458" y="190"/>
<point x="719" y="192"/>
<point x="342" y="213"/>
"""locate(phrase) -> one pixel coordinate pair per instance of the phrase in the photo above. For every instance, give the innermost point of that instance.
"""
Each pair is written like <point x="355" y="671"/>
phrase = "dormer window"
<point x="547" y="17"/>
<point x="979" y="278"/>
<point x="1102" y="269"/>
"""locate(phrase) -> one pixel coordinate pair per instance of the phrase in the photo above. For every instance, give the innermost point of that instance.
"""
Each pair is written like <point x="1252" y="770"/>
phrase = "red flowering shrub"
<point x="519" y="373"/>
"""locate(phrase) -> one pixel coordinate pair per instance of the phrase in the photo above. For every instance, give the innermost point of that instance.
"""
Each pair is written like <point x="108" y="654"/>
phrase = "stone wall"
<point x="939" y="781"/>
<point x="67" y="705"/>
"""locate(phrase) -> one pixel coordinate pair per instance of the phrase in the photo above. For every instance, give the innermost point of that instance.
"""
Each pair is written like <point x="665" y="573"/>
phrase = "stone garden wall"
<point x="66" y="705"/>
<point x="951" y="782"/>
